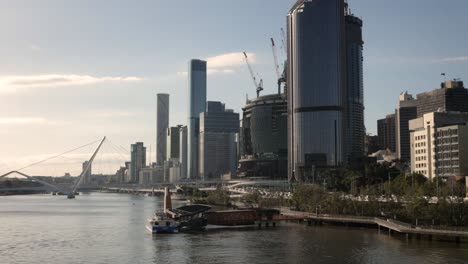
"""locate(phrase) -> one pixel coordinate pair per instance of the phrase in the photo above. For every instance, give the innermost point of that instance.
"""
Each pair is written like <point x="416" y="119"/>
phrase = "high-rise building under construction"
<point x="325" y="87"/>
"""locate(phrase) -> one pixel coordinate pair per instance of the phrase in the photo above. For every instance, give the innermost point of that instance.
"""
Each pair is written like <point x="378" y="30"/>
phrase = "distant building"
<point x="162" y="123"/>
<point x="452" y="96"/>
<point x="439" y="144"/>
<point x="325" y="87"/>
<point x="386" y="133"/>
<point x="151" y="175"/>
<point x="128" y="172"/>
<point x="196" y="105"/>
<point x="138" y="160"/>
<point x="183" y="152"/>
<point x="174" y="172"/>
<point x="407" y="110"/>
<point x="263" y="142"/>
<point x="120" y="175"/>
<point x="372" y="144"/>
<point x="173" y="143"/>
<point x="217" y="145"/>
<point x="87" y="176"/>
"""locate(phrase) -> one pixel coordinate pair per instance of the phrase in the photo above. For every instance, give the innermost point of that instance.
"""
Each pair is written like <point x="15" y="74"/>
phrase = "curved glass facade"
<point x="355" y="129"/>
<point x="196" y="105"/>
<point x="316" y="65"/>
<point x="264" y="137"/>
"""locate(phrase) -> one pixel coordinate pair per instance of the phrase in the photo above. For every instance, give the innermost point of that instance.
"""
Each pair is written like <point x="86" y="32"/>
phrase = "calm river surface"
<point x="109" y="228"/>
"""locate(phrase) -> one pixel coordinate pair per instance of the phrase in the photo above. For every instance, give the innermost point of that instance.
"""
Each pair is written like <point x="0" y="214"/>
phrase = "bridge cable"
<point x="56" y="156"/>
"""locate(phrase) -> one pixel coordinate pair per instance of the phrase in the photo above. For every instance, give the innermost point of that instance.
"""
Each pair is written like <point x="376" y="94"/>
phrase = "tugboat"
<point x="183" y="219"/>
<point x="161" y="224"/>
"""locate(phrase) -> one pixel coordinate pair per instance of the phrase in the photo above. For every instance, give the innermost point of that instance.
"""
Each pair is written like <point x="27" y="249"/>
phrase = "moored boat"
<point x="161" y="224"/>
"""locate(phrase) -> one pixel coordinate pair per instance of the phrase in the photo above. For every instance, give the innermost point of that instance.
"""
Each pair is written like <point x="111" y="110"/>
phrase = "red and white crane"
<point x="258" y="84"/>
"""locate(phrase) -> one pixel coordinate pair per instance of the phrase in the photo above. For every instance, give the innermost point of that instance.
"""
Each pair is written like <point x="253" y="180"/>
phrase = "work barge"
<point x="196" y="217"/>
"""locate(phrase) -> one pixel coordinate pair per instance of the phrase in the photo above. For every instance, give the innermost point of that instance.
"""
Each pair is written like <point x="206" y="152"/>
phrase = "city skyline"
<point x="55" y="93"/>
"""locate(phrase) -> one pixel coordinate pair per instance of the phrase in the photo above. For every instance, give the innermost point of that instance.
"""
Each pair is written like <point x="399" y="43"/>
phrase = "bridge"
<point x="50" y="187"/>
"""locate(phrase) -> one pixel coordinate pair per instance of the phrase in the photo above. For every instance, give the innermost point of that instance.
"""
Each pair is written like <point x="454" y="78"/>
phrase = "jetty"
<point x="391" y="225"/>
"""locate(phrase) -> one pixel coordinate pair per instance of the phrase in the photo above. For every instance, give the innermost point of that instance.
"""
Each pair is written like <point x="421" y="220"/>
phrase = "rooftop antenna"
<point x="445" y="78"/>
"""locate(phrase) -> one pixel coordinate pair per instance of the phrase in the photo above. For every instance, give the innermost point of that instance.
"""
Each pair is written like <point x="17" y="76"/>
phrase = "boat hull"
<point x="162" y="229"/>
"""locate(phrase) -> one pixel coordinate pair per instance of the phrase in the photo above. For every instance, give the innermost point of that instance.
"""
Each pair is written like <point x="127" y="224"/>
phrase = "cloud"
<point x="23" y="121"/>
<point x="219" y="71"/>
<point x="14" y="82"/>
<point x="107" y="114"/>
<point x="455" y="59"/>
<point x="414" y="60"/>
<point x="34" y="47"/>
<point x="229" y="60"/>
<point x="227" y="63"/>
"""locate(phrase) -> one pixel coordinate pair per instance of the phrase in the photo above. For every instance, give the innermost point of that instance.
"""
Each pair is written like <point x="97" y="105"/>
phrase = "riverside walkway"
<point x="390" y="224"/>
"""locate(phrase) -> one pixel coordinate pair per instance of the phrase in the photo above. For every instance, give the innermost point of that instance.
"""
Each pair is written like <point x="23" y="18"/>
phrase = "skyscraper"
<point x="387" y="133"/>
<point x="138" y="160"/>
<point x="452" y="96"/>
<point x="355" y="129"/>
<point x="407" y="110"/>
<point x="325" y="88"/>
<point x="87" y="175"/>
<point x="196" y="105"/>
<point x="173" y="141"/>
<point x="217" y="146"/>
<point x="183" y="151"/>
<point x="162" y="123"/>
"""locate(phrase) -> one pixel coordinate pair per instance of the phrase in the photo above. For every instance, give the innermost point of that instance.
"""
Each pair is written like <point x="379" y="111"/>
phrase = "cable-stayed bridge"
<point x="70" y="191"/>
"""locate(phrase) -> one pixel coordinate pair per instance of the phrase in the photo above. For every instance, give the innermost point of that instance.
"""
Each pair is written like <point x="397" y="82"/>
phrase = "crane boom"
<point x="258" y="85"/>
<point x="275" y="57"/>
<point x="250" y="70"/>
<point x="283" y="40"/>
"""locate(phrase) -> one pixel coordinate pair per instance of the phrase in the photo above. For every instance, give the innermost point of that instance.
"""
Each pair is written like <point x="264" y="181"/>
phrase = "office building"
<point x="120" y="175"/>
<point x="138" y="161"/>
<point x="128" y="172"/>
<point x="196" y="105"/>
<point x="162" y="123"/>
<point x="406" y="111"/>
<point x="386" y="133"/>
<point x="87" y="175"/>
<point x="355" y="131"/>
<point x="325" y="90"/>
<point x="217" y="142"/>
<point x="439" y="144"/>
<point x="452" y="96"/>
<point x="263" y="142"/>
<point x="183" y="152"/>
<point x="372" y="144"/>
<point x="173" y="142"/>
<point x="151" y="175"/>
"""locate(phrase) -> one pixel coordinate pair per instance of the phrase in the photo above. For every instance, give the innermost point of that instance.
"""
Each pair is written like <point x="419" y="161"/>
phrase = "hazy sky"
<point x="74" y="71"/>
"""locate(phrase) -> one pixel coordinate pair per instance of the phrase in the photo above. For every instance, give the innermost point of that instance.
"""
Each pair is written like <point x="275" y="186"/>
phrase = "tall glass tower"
<point x="196" y="105"/>
<point x="162" y="123"/>
<point x="325" y="104"/>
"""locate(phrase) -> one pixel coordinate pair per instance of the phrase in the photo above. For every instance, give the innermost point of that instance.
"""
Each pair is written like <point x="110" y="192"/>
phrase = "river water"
<point x="109" y="228"/>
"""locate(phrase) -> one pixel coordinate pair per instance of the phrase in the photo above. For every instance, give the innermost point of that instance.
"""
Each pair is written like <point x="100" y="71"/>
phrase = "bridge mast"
<point x="71" y="195"/>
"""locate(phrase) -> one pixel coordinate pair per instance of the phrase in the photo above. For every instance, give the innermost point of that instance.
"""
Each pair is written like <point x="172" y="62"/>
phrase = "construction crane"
<point x="283" y="41"/>
<point x="258" y="85"/>
<point x="281" y="77"/>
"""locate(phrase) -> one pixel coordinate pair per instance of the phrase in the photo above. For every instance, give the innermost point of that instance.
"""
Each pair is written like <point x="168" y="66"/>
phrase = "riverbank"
<point x="393" y="227"/>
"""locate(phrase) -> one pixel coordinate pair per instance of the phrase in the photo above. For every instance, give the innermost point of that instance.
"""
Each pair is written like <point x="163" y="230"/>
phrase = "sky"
<point x="72" y="72"/>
